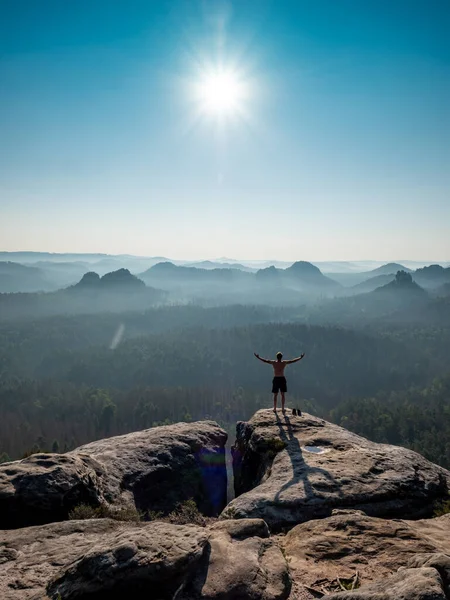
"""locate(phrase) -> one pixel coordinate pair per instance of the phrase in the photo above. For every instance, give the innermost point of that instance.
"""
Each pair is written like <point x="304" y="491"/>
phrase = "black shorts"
<point x="279" y="384"/>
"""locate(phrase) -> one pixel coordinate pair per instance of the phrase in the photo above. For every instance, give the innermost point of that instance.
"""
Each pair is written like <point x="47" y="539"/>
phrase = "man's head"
<point x="279" y="355"/>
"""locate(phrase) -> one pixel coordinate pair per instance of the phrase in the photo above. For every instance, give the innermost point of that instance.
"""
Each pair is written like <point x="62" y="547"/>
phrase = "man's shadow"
<point x="301" y="471"/>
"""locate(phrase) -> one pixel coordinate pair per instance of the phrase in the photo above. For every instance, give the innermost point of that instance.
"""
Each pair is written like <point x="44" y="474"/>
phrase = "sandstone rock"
<point x="291" y="469"/>
<point x="45" y="487"/>
<point x="153" y="559"/>
<point x="349" y="542"/>
<point x="102" y="559"/>
<point x="242" y="563"/>
<point x="411" y="584"/>
<point x="75" y="558"/>
<point x="440" y="562"/>
<point x="152" y="469"/>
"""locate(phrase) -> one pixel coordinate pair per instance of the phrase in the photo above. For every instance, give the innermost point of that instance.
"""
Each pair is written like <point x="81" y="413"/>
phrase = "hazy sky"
<point x="340" y="150"/>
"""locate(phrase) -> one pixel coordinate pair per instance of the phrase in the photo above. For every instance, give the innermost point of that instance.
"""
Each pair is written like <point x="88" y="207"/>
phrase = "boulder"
<point x="147" y="470"/>
<point x="45" y="487"/>
<point x="440" y="562"/>
<point x="291" y="469"/>
<point x="77" y="559"/>
<point x="154" y="559"/>
<point x="243" y="562"/>
<point x="410" y="584"/>
<point x="322" y="551"/>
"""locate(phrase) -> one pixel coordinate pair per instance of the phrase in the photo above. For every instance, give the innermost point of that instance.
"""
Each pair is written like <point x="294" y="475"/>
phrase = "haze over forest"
<point x="183" y="184"/>
<point x="88" y="352"/>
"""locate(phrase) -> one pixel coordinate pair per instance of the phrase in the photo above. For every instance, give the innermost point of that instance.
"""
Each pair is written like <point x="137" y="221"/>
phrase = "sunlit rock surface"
<point x="152" y="469"/>
<point x="350" y="543"/>
<point x="291" y="469"/>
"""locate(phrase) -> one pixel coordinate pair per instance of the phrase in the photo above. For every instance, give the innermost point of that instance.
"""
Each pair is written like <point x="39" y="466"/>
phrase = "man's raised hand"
<point x="302" y="355"/>
<point x="257" y="355"/>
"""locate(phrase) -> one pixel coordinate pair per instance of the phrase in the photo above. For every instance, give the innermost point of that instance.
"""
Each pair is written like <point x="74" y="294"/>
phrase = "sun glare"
<point x="221" y="93"/>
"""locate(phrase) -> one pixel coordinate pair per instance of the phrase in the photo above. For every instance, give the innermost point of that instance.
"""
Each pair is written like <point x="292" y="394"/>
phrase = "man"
<point x="279" y="381"/>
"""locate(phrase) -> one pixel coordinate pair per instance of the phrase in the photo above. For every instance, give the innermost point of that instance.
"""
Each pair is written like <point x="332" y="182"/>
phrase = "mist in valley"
<point x="120" y="350"/>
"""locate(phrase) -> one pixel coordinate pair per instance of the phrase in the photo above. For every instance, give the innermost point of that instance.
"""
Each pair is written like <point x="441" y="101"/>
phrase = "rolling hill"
<point x="15" y="277"/>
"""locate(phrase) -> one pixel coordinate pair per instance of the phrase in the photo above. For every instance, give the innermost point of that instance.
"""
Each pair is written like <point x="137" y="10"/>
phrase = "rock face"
<point x="242" y="563"/>
<point x="102" y="559"/>
<point x="291" y="469"/>
<point x="152" y="469"/>
<point x="75" y="559"/>
<point x="327" y="486"/>
<point x="156" y="557"/>
<point x="349" y="542"/>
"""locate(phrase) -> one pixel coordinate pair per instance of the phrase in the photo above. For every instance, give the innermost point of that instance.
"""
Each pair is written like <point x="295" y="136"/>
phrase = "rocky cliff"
<point x="291" y="469"/>
<point x="330" y="503"/>
<point x="152" y="470"/>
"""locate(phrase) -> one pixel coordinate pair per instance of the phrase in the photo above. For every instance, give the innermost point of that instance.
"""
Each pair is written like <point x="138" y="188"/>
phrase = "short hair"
<point x="279" y="355"/>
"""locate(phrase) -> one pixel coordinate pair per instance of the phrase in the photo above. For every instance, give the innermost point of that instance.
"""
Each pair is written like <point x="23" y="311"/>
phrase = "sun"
<point x="221" y="92"/>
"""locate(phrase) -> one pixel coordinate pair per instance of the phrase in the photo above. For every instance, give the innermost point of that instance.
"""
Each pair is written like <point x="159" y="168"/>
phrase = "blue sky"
<point x="342" y="152"/>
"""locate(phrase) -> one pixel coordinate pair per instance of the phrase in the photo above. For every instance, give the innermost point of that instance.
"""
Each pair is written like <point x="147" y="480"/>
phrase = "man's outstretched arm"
<point x="263" y="359"/>
<point x="294" y="360"/>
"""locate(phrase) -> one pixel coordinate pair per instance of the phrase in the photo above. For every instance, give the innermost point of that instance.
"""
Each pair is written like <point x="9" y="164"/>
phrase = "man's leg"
<point x="275" y="398"/>
<point x="282" y="401"/>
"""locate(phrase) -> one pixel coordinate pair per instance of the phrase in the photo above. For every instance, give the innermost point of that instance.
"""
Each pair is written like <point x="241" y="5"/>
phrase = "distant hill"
<point x="399" y="301"/>
<point x="432" y="276"/>
<point x="402" y="284"/>
<point x="15" y="277"/>
<point x="389" y="269"/>
<point x="168" y="270"/>
<point x="269" y="275"/>
<point x="101" y="263"/>
<point x="117" y="291"/>
<point x="301" y="275"/>
<point x="301" y="280"/>
<point x="372" y="284"/>
<point x="61" y="274"/>
<point x="349" y="279"/>
<point x="118" y="280"/>
<point x="305" y="273"/>
<point x="209" y="264"/>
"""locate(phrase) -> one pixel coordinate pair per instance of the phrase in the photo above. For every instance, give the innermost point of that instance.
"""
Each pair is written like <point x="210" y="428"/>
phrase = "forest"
<point x="69" y="379"/>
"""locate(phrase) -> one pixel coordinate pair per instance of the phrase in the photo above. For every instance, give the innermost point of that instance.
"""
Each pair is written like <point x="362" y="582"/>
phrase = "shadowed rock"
<point x="152" y="469"/>
<point x="291" y="469"/>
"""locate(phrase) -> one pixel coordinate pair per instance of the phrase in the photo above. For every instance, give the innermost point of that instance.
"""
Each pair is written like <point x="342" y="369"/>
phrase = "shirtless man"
<point x="279" y="381"/>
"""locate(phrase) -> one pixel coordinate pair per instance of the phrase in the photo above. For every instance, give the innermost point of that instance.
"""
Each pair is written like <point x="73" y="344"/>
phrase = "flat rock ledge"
<point x="147" y="470"/>
<point x="102" y="559"/>
<point x="291" y="469"/>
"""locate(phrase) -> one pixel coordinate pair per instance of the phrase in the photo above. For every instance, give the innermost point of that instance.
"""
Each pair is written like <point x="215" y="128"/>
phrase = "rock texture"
<point x="152" y="469"/>
<point x="155" y="559"/>
<point x="349" y="542"/>
<point x="102" y="559"/>
<point x="242" y="563"/>
<point x="76" y="558"/>
<point x="410" y="584"/>
<point x="291" y="469"/>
